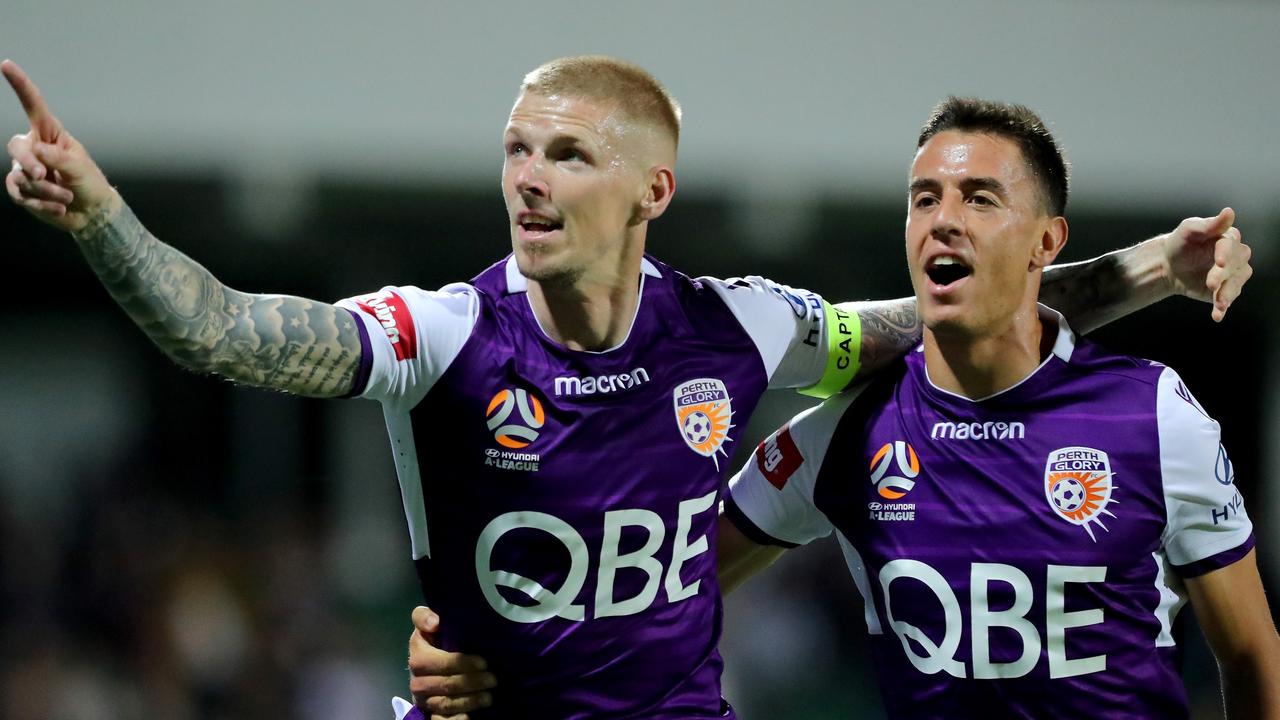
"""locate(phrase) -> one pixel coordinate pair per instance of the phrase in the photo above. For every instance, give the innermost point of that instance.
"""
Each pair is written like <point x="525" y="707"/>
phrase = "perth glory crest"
<point x="1078" y="486"/>
<point x="704" y="414"/>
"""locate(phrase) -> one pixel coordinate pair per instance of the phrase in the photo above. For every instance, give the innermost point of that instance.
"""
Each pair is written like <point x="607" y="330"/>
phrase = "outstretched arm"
<point x="1203" y="258"/>
<point x="273" y="341"/>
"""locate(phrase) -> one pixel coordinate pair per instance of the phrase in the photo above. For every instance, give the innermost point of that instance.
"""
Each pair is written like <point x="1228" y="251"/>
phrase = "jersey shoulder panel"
<point x="410" y="338"/>
<point x="788" y="326"/>
<point x="1207" y="526"/>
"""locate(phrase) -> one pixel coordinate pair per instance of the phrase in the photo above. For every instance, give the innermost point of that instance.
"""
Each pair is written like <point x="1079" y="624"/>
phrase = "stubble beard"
<point x="550" y="276"/>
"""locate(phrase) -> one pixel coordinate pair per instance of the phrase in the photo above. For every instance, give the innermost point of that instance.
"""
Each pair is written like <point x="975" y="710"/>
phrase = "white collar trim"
<point x="1063" y="347"/>
<point x="517" y="283"/>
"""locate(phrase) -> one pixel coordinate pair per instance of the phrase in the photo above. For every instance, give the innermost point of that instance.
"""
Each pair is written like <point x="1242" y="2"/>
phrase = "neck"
<point x="593" y="312"/>
<point x="978" y="366"/>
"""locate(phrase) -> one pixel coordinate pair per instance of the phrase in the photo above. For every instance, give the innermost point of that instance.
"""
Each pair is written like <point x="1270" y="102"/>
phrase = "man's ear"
<point x="1051" y="243"/>
<point x="658" y="193"/>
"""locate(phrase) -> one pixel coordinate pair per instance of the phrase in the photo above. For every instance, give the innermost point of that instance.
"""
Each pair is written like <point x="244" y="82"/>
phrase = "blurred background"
<point x="174" y="547"/>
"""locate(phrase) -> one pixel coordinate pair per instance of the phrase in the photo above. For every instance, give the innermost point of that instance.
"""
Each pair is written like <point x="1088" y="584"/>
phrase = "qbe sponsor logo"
<point x="704" y="416"/>
<point x="894" y="469"/>
<point x="694" y="519"/>
<point x="1038" y="626"/>
<point x="390" y="310"/>
<point x="516" y="417"/>
<point x="1078" y="485"/>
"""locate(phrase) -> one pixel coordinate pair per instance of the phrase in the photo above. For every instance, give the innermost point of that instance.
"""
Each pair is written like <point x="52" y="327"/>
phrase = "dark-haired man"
<point x="566" y="523"/>
<point x="1023" y="512"/>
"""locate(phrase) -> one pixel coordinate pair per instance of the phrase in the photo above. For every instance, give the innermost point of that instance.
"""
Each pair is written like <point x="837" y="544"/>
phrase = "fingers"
<point x="42" y="121"/>
<point x="425" y="620"/>
<point x="1230" y="271"/>
<point x="19" y="148"/>
<point x="1211" y="226"/>
<point x="452" y="694"/>
<point x="446" y="684"/>
<point x="45" y="190"/>
<point x="427" y="660"/>
<point x="447" y="705"/>
<point x="41" y="198"/>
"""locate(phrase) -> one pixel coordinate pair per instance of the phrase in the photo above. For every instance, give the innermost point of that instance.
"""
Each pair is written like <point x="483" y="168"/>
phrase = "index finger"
<point x="42" y="121"/>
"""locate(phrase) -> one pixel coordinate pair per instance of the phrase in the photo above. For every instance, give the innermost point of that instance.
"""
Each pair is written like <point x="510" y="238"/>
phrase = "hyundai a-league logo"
<point x="1078" y="485"/>
<point x="894" y="469"/>
<point x="515" y="432"/>
<point x="704" y="414"/>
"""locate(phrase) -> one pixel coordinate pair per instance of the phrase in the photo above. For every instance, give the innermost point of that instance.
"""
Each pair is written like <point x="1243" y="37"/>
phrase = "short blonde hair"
<point x="600" y="77"/>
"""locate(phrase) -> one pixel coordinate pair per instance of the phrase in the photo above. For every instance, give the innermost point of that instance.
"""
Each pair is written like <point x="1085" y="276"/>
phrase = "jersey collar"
<point x="517" y="283"/>
<point x="1063" y="347"/>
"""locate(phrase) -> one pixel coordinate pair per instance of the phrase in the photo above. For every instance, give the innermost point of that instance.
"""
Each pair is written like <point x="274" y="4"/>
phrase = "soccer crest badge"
<point x="1078" y="485"/>
<point x="704" y="415"/>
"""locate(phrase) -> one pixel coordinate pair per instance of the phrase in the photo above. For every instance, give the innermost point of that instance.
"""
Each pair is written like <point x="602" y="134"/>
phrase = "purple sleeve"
<point x="1214" y="562"/>
<point x="366" y="358"/>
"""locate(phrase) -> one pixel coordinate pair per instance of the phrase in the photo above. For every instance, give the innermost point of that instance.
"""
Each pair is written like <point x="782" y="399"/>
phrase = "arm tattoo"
<point x="890" y="328"/>
<point x="1091" y="294"/>
<point x="274" y="341"/>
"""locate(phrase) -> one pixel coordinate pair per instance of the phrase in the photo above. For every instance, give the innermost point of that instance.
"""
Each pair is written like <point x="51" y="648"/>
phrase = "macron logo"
<point x="978" y="431"/>
<point x="600" y="383"/>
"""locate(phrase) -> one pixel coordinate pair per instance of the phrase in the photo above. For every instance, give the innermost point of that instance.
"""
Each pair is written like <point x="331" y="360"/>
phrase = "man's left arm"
<point x="1203" y="258"/>
<point x="1232" y="610"/>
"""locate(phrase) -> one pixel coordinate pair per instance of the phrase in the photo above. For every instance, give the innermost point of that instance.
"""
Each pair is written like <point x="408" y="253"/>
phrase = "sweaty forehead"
<point x="565" y="114"/>
<point x="964" y="154"/>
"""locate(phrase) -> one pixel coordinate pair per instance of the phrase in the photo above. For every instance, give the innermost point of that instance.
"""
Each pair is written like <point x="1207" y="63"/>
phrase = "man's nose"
<point x="531" y="177"/>
<point x="948" y="221"/>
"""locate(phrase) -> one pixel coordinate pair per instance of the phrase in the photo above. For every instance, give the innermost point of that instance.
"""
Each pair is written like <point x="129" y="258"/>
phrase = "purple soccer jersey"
<point x="1020" y="555"/>
<point x="562" y="504"/>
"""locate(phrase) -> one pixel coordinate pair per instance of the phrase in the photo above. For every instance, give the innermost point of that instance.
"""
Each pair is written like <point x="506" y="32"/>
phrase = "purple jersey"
<point x="1020" y="555"/>
<point x="561" y="504"/>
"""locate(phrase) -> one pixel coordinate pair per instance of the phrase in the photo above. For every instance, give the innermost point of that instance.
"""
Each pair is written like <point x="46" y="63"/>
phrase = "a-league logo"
<point x="900" y="457"/>
<point x="508" y="431"/>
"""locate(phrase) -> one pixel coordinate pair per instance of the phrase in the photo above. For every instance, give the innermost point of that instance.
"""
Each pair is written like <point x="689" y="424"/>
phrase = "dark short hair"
<point x="1017" y="123"/>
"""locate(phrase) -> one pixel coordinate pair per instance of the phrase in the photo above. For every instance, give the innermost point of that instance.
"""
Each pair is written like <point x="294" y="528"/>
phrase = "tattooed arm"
<point x="1203" y="258"/>
<point x="272" y="341"/>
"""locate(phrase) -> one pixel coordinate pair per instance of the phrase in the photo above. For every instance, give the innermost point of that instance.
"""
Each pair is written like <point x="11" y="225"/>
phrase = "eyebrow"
<point x="967" y="185"/>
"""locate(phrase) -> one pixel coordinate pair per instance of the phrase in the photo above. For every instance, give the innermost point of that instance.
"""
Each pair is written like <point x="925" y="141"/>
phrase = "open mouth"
<point x="944" y="270"/>
<point x="536" y="225"/>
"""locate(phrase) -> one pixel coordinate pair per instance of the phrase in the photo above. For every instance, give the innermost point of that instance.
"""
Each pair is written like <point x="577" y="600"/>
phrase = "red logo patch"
<point x="390" y="310"/>
<point x="778" y="457"/>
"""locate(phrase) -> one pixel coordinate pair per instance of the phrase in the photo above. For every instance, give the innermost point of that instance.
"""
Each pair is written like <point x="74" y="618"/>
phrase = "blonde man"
<point x="592" y="393"/>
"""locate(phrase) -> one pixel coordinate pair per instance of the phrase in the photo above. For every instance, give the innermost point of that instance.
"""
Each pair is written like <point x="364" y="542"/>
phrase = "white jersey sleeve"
<point x="771" y="497"/>
<point x="804" y="341"/>
<point x="1206" y="519"/>
<point x="413" y="336"/>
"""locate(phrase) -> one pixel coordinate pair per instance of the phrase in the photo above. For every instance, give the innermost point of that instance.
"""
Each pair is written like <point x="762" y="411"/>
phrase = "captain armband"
<point x="844" y="344"/>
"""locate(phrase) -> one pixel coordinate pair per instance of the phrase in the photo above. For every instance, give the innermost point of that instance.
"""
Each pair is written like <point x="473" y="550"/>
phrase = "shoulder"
<point x="1139" y="374"/>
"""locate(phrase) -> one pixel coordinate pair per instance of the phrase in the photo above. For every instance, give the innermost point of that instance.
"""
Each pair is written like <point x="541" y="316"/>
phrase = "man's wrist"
<point x="1147" y="271"/>
<point x="99" y="217"/>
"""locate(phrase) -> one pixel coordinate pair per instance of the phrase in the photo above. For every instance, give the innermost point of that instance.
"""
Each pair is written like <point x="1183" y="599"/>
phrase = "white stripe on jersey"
<point x="1172" y="597"/>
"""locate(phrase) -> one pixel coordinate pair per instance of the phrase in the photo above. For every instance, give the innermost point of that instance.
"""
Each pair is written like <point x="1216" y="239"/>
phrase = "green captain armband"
<point x="844" y="345"/>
